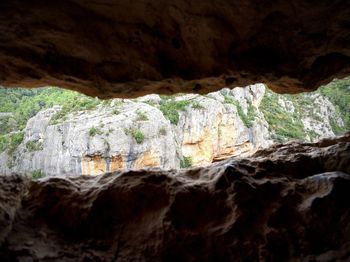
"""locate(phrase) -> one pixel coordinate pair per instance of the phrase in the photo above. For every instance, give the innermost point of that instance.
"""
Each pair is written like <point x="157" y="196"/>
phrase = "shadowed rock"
<point x="132" y="48"/>
<point x="288" y="202"/>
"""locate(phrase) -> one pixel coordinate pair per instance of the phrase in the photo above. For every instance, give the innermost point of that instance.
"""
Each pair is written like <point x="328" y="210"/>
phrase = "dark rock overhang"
<point x="131" y="48"/>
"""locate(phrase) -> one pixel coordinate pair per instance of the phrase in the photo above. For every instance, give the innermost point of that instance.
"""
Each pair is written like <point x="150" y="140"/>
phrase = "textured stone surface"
<point x="289" y="202"/>
<point x="212" y="131"/>
<point x="131" y="48"/>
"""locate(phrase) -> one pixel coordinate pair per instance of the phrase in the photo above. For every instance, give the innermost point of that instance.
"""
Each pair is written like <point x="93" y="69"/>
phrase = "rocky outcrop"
<point x="133" y="48"/>
<point x="288" y="202"/>
<point x="122" y="134"/>
<point x="167" y="132"/>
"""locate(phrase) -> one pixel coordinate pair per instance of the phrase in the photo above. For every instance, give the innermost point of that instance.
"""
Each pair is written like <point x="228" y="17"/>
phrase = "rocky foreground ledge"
<point x="287" y="202"/>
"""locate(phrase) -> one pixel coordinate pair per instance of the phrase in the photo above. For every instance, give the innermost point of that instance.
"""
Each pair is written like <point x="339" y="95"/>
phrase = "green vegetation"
<point x="110" y="131"/>
<point x="336" y="128"/>
<point x="15" y="140"/>
<point x="25" y="103"/>
<point x="34" y="145"/>
<point x="11" y="161"/>
<point x="37" y="174"/>
<point x="95" y="131"/>
<point x="338" y="92"/>
<point x="136" y="134"/>
<point x="284" y="124"/>
<point x="186" y="162"/>
<point x="118" y="102"/>
<point x="18" y="105"/>
<point x="3" y="143"/>
<point x="170" y="108"/>
<point x="197" y="105"/>
<point x="248" y="118"/>
<point x="287" y="125"/>
<point x="162" y="131"/>
<point x="141" y="116"/>
<point x="7" y="124"/>
<point x="115" y="112"/>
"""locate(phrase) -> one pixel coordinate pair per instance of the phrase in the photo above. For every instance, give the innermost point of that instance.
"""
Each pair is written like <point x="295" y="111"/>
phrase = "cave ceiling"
<point x="130" y="48"/>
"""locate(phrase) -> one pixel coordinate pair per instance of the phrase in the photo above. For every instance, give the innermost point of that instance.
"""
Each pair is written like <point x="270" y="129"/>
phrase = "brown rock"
<point x="147" y="159"/>
<point x="117" y="163"/>
<point x="132" y="48"/>
<point x="93" y="165"/>
<point x="289" y="202"/>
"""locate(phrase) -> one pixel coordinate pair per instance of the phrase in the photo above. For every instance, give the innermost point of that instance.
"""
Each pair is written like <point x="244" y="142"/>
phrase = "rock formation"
<point x="288" y="202"/>
<point x="96" y="141"/>
<point x="123" y="133"/>
<point x="132" y="48"/>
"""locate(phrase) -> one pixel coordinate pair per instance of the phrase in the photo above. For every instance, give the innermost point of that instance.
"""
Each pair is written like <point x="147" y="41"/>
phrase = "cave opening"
<point x="52" y="131"/>
<point x="286" y="202"/>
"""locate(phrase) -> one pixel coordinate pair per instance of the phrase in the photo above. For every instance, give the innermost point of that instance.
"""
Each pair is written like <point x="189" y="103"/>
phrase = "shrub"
<point x="171" y="107"/>
<point x="105" y="103"/>
<point x="7" y="124"/>
<point x="3" y="143"/>
<point x="337" y="130"/>
<point x="150" y="102"/>
<point x="162" y="131"/>
<point x="198" y="106"/>
<point x="109" y="131"/>
<point x="338" y="92"/>
<point x="94" y="131"/>
<point x="248" y="118"/>
<point x="186" y="162"/>
<point x="15" y="140"/>
<point x="285" y="125"/>
<point x="37" y="174"/>
<point x="141" y="116"/>
<point x="58" y="117"/>
<point x="34" y="146"/>
<point x="11" y="161"/>
<point x="116" y="112"/>
<point x="136" y="134"/>
<point x="118" y="103"/>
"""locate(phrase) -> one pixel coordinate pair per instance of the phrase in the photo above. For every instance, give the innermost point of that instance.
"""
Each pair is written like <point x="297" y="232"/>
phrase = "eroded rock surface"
<point x="288" y="202"/>
<point x="93" y="142"/>
<point x="142" y="132"/>
<point x="132" y="48"/>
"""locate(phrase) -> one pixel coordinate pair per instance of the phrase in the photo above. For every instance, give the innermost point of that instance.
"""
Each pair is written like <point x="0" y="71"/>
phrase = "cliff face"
<point x="136" y="133"/>
<point x="287" y="203"/>
<point x="167" y="132"/>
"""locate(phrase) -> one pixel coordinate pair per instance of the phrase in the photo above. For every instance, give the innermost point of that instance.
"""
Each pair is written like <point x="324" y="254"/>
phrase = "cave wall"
<point x="286" y="203"/>
<point x="131" y="48"/>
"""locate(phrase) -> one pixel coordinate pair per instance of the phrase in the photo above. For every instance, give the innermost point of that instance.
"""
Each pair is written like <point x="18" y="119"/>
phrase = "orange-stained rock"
<point x="93" y="165"/>
<point x="147" y="159"/>
<point x="117" y="163"/>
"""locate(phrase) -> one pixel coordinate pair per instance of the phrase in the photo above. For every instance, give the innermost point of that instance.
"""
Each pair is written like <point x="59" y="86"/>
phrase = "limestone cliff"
<point x="167" y="132"/>
<point x="136" y="133"/>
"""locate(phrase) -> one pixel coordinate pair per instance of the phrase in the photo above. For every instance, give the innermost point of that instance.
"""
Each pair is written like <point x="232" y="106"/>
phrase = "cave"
<point x="285" y="203"/>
